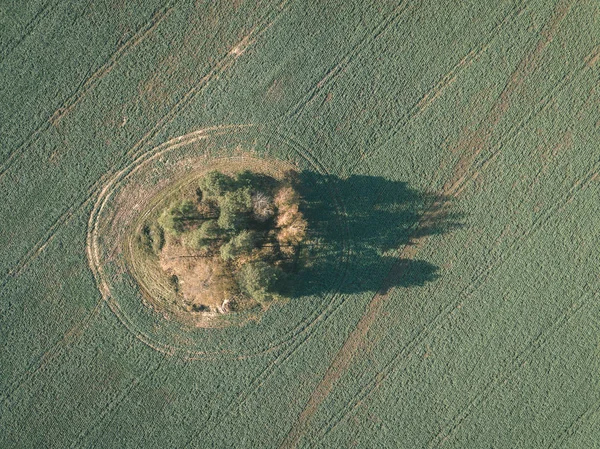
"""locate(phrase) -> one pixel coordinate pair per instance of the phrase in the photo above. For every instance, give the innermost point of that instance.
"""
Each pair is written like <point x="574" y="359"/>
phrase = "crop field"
<point x="450" y="154"/>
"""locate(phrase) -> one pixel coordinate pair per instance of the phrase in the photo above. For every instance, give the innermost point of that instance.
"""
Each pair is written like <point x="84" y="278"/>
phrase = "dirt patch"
<point x="194" y="274"/>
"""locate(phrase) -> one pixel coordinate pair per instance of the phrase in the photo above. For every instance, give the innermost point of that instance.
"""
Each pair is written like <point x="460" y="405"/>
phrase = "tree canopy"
<point x="248" y="228"/>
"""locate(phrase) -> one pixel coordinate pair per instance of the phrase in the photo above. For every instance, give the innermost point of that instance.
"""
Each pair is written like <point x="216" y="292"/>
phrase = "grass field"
<point x="453" y="152"/>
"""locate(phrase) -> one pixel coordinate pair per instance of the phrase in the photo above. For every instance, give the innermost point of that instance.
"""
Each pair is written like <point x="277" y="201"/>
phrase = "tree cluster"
<point x="249" y="226"/>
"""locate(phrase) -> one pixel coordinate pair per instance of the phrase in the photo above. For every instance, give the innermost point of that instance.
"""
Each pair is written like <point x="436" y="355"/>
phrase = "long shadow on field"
<point x="361" y="232"/>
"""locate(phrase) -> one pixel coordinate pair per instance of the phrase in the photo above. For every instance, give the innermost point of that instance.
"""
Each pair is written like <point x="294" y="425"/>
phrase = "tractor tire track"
<point x="349" y="57"/>
<point x="12" y="44"/>
<point x="85" y="87"/>
<point x="305" y="330"/>
<point x="78" y="329"/>
<point x="446" y="80"/>
<point x="218" y="69"/>
<point x="581" y="420"/>
<point x="357" y="338"/>
<point x="500" y="258"/>
<point x="136" y="149"/>
<point x="113" y="406"/>
<point x="54" y="352"/>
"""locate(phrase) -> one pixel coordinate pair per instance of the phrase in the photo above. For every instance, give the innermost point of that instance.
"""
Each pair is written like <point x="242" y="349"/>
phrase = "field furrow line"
<point x="541" y="219"/>
<point x="445" y="81"/>
<point x="430" y="328"/>
<point x="343" y="359"/>
<point x="142" y="34"/>
<point x="429" y="97"/>
<point x="409" y="350"/>
<point x="51" y="354"/>
<point x="31" y="25"/>
<point x="581" y="420"/>
<point x="333" y="73"/>
<point x="519" y="361"/>
<point x="218" y="69"/>
<point x="68" y="338"/>
<point x="112" y="406"/>
<point x="306" y="330"/>
<point x="502" y="377"/>
<point x="136" y="149"/>
<point x="86" y="86"/>
<point x="479" y="165"/>
<point x="458" y="187"/>
<point x="530" y="61"/>
<point x="526" y="66"/>
<point x="499" y="260"/>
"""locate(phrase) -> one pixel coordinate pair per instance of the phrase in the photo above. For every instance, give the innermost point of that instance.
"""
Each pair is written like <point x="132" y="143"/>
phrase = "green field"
<point x="453" y="153"/>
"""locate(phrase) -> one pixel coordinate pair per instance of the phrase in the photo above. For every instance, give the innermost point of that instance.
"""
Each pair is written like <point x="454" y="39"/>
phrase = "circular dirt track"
<point x="129" y="195"/>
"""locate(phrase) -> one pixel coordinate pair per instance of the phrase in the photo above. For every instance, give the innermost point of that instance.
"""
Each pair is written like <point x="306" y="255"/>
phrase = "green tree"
<point x="258" y="280"/>
<point x="240" y="244"/>
<point x="201" y="237"/>
<point x="215" y="184"/>
<point x="234" y="208"/>
<point x="174" y="219"/>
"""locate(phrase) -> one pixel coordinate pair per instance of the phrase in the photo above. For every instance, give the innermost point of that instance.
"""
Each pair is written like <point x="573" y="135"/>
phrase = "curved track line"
<point x="136" y="150"/>
<point x="305" y="330"/>
<point x="94" y="256"/>
<point x="56" y="349"/>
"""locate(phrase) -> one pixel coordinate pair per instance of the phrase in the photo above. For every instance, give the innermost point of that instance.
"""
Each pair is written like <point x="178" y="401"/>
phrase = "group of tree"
<point x="250" y="227"/>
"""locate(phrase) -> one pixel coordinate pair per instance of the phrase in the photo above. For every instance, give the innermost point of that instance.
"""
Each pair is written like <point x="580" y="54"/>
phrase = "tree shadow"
<point x="361" y="230"/>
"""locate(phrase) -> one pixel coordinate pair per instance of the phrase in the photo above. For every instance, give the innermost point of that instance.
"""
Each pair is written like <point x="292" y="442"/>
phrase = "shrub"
<point x="158" y="238"/>
<point x="152" y="238"/>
